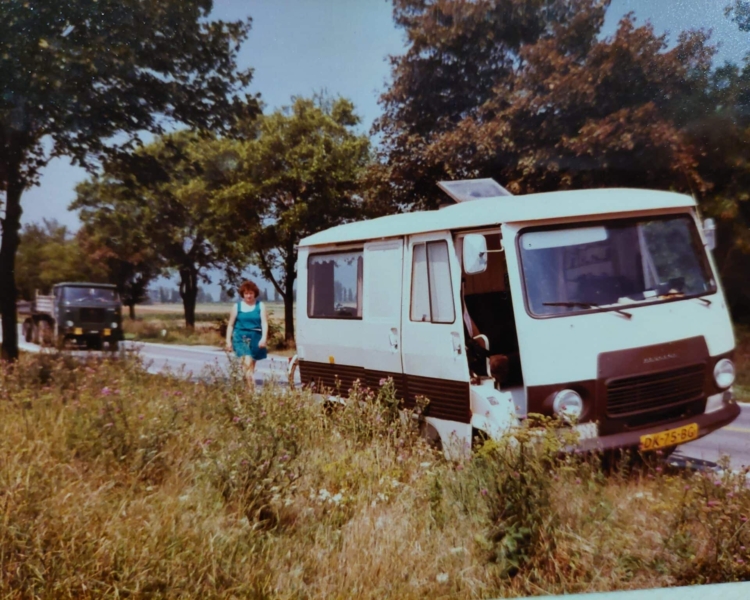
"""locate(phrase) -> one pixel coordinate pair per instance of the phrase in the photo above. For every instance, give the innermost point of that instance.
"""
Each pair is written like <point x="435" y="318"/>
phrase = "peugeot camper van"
<point x="602" y="307"/>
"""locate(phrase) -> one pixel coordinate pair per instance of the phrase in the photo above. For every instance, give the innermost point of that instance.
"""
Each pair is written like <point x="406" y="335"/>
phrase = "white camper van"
<point x="600" y="306"/>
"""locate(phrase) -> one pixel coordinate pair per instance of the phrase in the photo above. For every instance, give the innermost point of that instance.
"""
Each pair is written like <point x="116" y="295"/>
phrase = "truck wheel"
<point x="45" y="333"/>
<point x="28" y="331"/>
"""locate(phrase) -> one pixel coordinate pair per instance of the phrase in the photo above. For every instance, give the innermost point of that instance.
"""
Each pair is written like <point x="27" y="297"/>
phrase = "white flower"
<point x="442" y="577"/>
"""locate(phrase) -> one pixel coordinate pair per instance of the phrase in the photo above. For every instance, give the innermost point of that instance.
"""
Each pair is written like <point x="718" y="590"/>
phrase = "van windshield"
<point x="95" y="294"/>
<point x="611" y="264"/>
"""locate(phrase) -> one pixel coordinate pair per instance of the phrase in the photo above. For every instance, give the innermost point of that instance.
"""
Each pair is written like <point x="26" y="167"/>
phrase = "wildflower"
<point x="235" y="419"/>
<point x="106" y="391"/>
<point x="658" y="469"/>
<point x="140" y="417"/>
<point x="712" y="503"/>
<point x="383" y="381"/>
<point x="442" y="577"/>
<point x="578" y="481"/>
<point x="483" y="491"/>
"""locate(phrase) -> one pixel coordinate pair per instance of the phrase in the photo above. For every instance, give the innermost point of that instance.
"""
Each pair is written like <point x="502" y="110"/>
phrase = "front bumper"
<point x="82" y="334"/>
<point x="707" y="422"/>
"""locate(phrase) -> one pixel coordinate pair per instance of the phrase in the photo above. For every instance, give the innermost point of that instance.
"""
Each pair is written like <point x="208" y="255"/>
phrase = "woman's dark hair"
<point x="249" y="286"/>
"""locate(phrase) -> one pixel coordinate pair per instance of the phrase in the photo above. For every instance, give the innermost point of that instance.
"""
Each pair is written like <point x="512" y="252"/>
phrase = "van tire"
<point x="430" y="435"/>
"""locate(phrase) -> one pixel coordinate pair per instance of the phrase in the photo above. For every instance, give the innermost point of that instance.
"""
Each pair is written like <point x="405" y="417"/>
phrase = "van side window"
<point x="334" y="285"/>
<point x="431" y="286"/>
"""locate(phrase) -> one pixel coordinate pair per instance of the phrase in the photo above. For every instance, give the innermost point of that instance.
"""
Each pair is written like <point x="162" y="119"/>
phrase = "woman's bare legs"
<point x="248" y="367"/>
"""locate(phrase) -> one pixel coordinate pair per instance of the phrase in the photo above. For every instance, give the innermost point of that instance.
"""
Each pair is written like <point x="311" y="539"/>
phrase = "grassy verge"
<point x="114" y="483"/>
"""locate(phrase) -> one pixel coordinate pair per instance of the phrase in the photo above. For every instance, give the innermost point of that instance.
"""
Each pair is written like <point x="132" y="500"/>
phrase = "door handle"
<point x="456" y="342"/>
<point x="393" y="337"/>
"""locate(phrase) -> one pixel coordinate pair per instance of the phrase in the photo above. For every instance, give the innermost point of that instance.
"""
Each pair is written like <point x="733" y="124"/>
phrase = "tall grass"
<point x="114" y="483"/>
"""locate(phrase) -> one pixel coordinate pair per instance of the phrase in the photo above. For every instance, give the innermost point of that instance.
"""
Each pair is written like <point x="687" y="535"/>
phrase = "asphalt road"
<point x="194" y="361"/>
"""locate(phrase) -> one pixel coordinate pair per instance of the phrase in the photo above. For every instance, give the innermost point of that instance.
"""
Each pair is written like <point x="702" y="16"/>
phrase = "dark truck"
<point x="85" y="313"/>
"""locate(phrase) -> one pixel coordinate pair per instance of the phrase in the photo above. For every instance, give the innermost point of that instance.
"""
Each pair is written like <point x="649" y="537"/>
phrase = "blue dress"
<point x="247" y="333"/>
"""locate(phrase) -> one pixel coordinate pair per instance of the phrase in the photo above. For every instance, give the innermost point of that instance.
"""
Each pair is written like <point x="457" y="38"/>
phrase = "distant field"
<point x="165" y="323"/>
<point x="275" y="309"/>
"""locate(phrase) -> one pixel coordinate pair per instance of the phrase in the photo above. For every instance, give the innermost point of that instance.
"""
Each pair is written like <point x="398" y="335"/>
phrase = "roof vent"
<point x="463" y="190"/>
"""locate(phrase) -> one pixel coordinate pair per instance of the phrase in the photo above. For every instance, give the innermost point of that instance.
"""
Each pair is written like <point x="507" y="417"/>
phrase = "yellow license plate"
<point x="670" y="437"/>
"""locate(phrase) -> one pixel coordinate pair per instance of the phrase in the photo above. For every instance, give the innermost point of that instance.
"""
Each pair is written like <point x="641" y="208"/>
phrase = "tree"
<point x="116" y="240"/>
<point x="300" y="174"/>
<point x="78" y="72"/>
<point x="173" y="193"/>
<point x="739" y="12"/>
<point x="461" y="56"/>
<point x="49" y="254"/>
<point x="560" y="107"/>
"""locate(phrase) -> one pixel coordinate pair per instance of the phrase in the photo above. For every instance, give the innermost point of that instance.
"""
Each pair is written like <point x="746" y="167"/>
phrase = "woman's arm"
<point x="230" y="325"/>
<point x="263" y="326"/>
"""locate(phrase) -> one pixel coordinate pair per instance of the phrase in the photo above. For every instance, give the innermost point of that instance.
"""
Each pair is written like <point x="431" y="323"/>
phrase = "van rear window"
<point x="334" y="285"/>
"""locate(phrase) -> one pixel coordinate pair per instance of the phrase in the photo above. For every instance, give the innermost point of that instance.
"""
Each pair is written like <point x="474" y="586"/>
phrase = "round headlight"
<point x="568" y="405"/>
<point x="724" y="373"/>
<point x="68" y="323"/>
<point x="114" y="325"/>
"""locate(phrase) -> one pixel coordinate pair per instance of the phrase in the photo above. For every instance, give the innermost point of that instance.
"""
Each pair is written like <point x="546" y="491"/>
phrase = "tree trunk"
<point x="131" y="310"/>
<point x="188" y="293"/>
<point x="8" y="293"/>
<point x="288" y="296"/>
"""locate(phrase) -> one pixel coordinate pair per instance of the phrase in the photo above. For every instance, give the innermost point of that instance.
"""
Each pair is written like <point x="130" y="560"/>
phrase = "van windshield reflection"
<point x="613" y="264"/>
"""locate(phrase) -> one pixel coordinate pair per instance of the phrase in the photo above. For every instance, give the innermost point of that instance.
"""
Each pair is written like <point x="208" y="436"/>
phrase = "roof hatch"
<point x="463" y="190"/>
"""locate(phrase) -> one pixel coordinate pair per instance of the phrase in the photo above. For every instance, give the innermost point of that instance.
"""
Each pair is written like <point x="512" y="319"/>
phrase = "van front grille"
<point x="655" y="391"/>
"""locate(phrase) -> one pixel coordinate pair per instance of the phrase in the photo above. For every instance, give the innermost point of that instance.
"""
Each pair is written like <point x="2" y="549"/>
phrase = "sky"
<point x="298" y="47"/>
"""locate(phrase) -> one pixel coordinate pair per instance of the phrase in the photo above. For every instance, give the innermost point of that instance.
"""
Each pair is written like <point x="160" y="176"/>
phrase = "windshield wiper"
<point x="619" y="311"/>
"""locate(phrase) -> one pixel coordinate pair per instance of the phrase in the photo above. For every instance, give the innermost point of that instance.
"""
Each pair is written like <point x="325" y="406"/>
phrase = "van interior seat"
<point x="492" y="312"/>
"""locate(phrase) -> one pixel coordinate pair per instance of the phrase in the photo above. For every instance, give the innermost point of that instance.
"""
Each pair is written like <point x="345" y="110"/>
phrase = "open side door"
<point x="433" y="348"/>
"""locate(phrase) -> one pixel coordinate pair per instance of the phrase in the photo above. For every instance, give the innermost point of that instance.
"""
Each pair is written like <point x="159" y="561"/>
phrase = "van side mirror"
<point x="475" y="254"/>
<point x="709" y="233"/>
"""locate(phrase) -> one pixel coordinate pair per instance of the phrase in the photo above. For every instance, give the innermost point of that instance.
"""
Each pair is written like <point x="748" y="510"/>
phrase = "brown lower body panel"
<point x="448" y="399"/>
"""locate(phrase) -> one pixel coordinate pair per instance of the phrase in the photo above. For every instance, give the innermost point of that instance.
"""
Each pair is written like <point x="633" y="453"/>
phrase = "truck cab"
<point x="87" y="314"/>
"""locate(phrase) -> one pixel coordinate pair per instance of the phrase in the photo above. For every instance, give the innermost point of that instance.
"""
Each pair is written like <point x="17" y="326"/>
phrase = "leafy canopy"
<point x="299" y="174"/>
<point x="167" y="200"/>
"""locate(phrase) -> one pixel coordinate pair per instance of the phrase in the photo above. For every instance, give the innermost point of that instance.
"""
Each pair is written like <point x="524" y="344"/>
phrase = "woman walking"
<point x="247" y="330"/>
